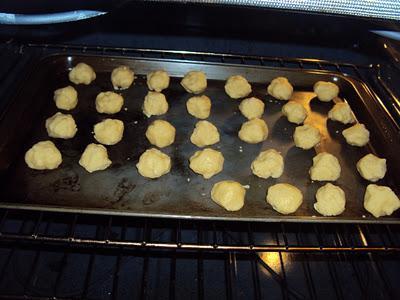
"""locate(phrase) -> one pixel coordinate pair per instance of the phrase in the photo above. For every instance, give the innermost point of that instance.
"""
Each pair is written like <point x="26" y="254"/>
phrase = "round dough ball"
<point x="199" y="106"/>
<point x="153" y="163"/>
<point x="207" y="162"/>
<point x="254" y="131"/>
<point x="161" y="133"/>
<point x="43" y="156"/>
<point x="155" y="104"/>
<point x="66" y="98"/>
<point x="380" y="200"/>
<point x="95" y="158"/>
<point x="341" y="112"/>
<point x="331" y="200"/>
<point x="356" y="135"/>
<point x="109" y="102"/>
<point x="295" y="112"/>
<point x="268" y="163"/>
<point x="194" y="82"/>
<point x="61" y="126"/>
<point x="280" y="88"/>
<point x="252" y="108"/>
<point x="306" y="136"/>
<point x="204" y="134"/>
<point x="325" y="167"/>
<point x="109" y="131"/>
<point x="158" y="80"/>
<point x="371" y="167"/>
<point x="122" y="77"/>
<point x="284" y="198"/>
<point x="326" y="91"/>
<point x="237" y="87"/>
<point x="228" y="194"/>
<point x="82" y="73"/>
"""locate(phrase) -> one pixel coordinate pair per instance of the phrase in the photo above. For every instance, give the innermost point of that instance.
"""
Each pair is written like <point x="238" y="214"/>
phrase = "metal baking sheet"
<point x="121" y="190"/>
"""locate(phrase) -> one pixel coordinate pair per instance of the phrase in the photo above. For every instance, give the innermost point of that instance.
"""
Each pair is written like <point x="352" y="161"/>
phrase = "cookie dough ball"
<point x="252" y="108"/>
<point x="109" y="102"/>
<point x="66" y="98"/>
<point x="194" y="82"/>
<point x="371" y="167"/>
<point x="204" y="134"/>
<point x="122" y="77"/>
<point x="326" y="91"/>
<point x="341" y="112"/>
<point x="237" y="87"/>
<point x="325" y="167"/>
<point x="161" y="133"/>
<point x="380" y="200"/>
<point x="158" y="80"/>
<point x="254" y="131"/>
<point x="331" y="200"/>
<point x="82" y="74"/>
<point x="43" y="156"/>
<point x="95" y="158"/>
<point x="155" y="104"/>
<point x="61" y="126"/>
<point x="356" y="135"/>
<point x="280" y="88"/>
<point x="268" y="163"/>
<point x="228" y="194"/>
<point x="207" y="162"/>
<point x="306" y="136"/>
<point x="153" y="163"/>
<point x="284" y="198"/>
<point x="199" y="106"/>
<point x="295" y="112"/>
<point x="109" y="131"/>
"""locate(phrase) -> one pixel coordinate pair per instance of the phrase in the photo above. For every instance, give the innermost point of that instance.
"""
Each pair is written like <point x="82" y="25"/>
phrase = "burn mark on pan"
<point x="124" y="187"/>
<point x="70" y="183"/>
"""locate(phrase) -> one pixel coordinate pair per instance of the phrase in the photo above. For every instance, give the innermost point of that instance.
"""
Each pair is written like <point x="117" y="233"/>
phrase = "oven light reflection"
<point x="271" y="259"/>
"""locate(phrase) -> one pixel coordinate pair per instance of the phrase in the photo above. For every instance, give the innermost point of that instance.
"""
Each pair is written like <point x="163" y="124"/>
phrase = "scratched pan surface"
<point x="181" y="193"/>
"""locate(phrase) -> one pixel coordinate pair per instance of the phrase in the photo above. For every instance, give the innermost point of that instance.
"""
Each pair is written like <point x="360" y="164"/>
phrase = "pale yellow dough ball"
<point x="109" y="103"/>
<point x="380" y="200"/>
<point x="82" y="74"/>
<point x="199" y="106"/>
<point x="280" y="88"/>
<point x="204" y="134"/>
<point x="161" y="133"/>
<point x="194" y="82"/>
<point x="295" y="112"/>
<point x="356" y="135"/>
<point x="109" y="131"/>
<point x="306" y="136"/>
<point x="122" y="77"/>
<point x="207" y="162"/>
<point x="371" y="167"/>
<point x="331" y="200"/>
<point x="153" y="163"/>
<point x="326" y="91"/>
<point x="252" y="108"/>
<point x="155" y="104"/>
<point x="66" y="98"/>
<point x="237" y="87"/>
<point x="158" y="80"/>
<point x="43" y="156"/>
<point x="268" y="163"/>
<point x="253" y="131"/>
<point x="284" y="198"/>
<point x="95" y="158"/>
<point x="228" y="194"/>
<point x="325" y="167"/>
<point x="61" y="126"/>
<point x="342" y="113"/>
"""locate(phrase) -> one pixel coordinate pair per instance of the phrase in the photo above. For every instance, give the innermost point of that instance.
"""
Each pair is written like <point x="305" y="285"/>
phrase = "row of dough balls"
<point x="286" y="199"/>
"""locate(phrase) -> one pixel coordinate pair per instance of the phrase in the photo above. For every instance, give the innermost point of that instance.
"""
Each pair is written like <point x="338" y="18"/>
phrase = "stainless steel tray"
<point x="120" y="190"/>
